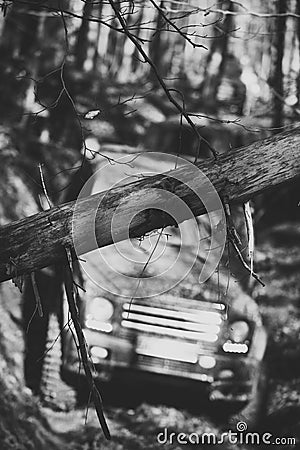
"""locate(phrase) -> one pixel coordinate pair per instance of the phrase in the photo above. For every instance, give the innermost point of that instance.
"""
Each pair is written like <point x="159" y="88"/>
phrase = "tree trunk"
<point x="157" y="47"/>
<point x="135" y="62"/>
<point x="113" y="39"/>
<point x="39" y="240"/>
<point x="226" y="28"/>
<point x="220" y="44"/>
<point x="276" y="74"/>
<point x="99" y="29"/>
<point x="17" y="51"/>
<point x="298" y="35"/>
<point x="82" y="43"/>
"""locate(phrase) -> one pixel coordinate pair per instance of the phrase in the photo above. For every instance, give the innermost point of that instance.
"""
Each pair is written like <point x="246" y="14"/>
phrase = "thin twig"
<point x="226" y="12"/>
<point x="36" y="294"/>
<point x="160" y="233"/>
<point x="250" y="232"/>
<point x="55" y="340"/>
<point x="159" y="78"/>
<point x="241" y="258"/>
<point x="71" y="297"/>
<point x="176" y="28"/>
<point x="44" y="187"/>
<point x="236" y="242"/>
<point x="230" y="225"/>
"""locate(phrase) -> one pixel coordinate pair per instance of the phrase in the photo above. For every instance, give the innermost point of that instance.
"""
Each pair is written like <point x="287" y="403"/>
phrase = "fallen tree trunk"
<point x="40" y="240"/>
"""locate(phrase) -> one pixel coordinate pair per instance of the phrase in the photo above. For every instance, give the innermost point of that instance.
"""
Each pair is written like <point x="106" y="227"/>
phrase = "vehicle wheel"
<point x="54" y="392"/>
<point x="252" y="413"/>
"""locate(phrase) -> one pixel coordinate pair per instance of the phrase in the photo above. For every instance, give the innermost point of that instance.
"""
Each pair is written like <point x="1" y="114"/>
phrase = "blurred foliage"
<point x="222" y="61"/>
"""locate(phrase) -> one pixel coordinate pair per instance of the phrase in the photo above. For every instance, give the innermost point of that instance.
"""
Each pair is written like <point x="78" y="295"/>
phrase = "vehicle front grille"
<point x="201" y="324"/>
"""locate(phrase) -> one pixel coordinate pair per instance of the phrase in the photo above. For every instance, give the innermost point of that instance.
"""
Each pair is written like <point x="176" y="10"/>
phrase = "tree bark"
<point x="298" y="35"/>
<point x="158" y="46"/>
<point x="38" y="241"/>
<point x="135" y="62"/>
<point x="226" y="28"/>
<point x="17" y="51"/>
<point x="99" y="29"/>
<point x="277" y="73"/>
<point x="82" y="43"/>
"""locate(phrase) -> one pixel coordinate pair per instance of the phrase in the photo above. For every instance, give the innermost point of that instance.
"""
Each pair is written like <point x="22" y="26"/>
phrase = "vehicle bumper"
<point x="229" y="380"/>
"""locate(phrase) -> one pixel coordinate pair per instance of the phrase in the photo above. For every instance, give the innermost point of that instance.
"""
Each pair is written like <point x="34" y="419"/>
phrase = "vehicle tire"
<point x="252" y="413"/>
<point x="42" y="338"/>
<point x="53" y="391"/>
<point x="35" y="330"/>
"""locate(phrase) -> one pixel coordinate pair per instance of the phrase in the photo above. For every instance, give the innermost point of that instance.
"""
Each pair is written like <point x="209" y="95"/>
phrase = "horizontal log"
<point x="38" y="241"/>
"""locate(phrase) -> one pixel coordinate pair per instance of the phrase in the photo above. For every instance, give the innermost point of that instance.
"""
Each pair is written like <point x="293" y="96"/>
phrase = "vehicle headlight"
<point x="239" y="331"/>
<point x="207" y="362"/>
<point x="100" y="309"/>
